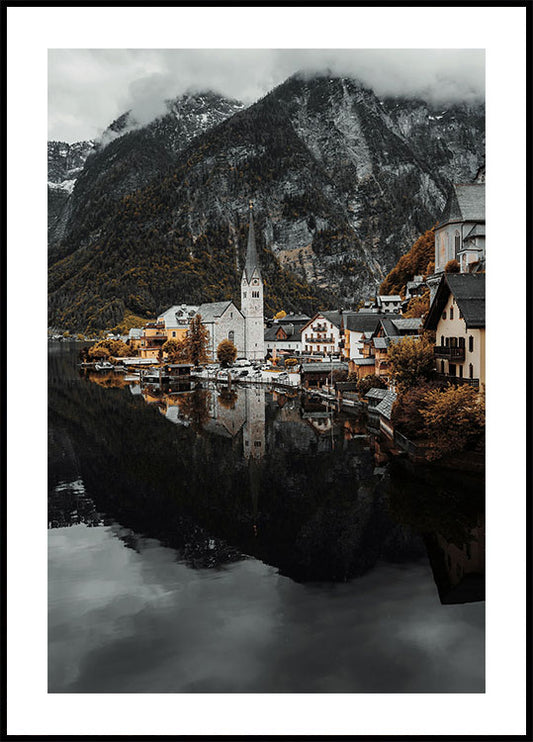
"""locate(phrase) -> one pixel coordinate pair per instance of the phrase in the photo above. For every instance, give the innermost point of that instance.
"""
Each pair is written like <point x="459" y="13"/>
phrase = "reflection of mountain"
<point x="318" y="514"/>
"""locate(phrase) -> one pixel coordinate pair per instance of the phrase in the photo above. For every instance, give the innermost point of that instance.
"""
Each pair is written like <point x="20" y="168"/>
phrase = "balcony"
<point x="458" y="380"/>
<point x="454" y="355"/>
<point x="319" y="340"/>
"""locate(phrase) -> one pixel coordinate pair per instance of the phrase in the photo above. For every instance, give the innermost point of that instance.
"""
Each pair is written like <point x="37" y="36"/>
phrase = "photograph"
<point x="265" y="468"/>
<point x="266" y="323"/>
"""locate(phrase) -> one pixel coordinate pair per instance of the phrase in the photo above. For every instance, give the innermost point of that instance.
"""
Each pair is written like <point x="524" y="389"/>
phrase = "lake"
<point x="244" y="540"/>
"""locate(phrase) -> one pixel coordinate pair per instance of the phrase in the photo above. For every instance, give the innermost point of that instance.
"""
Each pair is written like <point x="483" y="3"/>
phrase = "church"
<point x="223" y="320"/>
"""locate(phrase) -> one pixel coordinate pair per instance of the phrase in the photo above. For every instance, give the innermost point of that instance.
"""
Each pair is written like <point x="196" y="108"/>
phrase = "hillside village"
<point x="348" y="355"/>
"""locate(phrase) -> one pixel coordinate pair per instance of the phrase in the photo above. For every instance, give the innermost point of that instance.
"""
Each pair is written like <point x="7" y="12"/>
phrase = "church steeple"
<point x="252" y="262"/>
<point x="252" y="300"/>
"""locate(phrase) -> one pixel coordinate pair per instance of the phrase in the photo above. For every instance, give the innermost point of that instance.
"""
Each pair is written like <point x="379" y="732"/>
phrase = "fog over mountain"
<point x="343" y="181"/>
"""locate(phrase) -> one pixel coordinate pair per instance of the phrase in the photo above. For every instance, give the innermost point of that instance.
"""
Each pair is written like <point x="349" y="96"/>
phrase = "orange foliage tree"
<point x="411" y="264"/>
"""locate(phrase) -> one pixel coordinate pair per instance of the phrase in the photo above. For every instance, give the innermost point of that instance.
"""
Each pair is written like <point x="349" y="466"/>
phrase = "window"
<point x="257" y="444"/>
<point x="461" y="342"/>
<point x="244" y="295"/>
<point x="231" y="335"/>
<point x="470" y="370"/>
<point x="442" y="340"/>
<point x="470" y="343"/>
<point x="173" y="334"/>
<point x="451" y="312"/>
<point x="457" y="241"/>
<point x="460" y="372"/>
<point x="444" y="315"/>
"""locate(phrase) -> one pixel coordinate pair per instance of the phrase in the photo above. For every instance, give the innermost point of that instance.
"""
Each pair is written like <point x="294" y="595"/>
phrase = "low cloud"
<point x="90" y="88"/>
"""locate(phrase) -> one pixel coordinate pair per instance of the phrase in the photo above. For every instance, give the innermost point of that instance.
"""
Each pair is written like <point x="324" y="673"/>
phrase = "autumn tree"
<point x="193" y="347"/>
<point x="411" y="264"/>
<point x="411" y="361"/>
<point x="418" y="306"/>
<point x="107" y="348"/>
<point x="454" y="419"/>
<point x="371" y="381"/>
<point x="279" y="315"/>
<point x="176" y="351"/>
<point x="406" y="415"/>
<point x="195" y="408"/>
<point x="226" y="352"/>
<point x="452" y="266"/>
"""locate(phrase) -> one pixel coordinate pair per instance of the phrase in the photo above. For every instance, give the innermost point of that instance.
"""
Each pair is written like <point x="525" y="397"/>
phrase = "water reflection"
<point x="280" y="478"/>
<point x="183" y="489"/>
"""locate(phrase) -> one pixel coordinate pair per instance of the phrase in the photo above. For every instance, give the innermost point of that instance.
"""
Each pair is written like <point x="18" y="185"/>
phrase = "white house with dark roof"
<point x="457" y="315"/>
<point x="391" y="303"/>
<point x="322" y="335"/>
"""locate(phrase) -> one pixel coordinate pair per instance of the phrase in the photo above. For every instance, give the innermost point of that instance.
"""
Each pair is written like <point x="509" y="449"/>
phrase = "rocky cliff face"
<point x="342" y="182"/>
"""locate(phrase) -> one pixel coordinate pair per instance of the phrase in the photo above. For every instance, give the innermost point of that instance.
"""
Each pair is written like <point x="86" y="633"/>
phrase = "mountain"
<point x="65" y="163"/>
<point x="342" y="183"/>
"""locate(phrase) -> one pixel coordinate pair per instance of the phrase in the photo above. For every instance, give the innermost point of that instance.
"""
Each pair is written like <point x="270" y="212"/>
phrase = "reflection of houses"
<point x="254" y="427"/>
<point x="322" y="335"/>
<point x="457" y="315"/>
<point x="459" y="571"/>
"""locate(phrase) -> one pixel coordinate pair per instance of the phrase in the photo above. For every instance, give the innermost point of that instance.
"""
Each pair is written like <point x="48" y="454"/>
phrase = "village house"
<point x="389" y="303"/>
<point x="284" y="336"/>
<point x="323" y="335"/>
<point x="375" y="345"/>
<point x="457" y="315"/>
<point x="152" y="339"/>
<point x="176" y="320"/>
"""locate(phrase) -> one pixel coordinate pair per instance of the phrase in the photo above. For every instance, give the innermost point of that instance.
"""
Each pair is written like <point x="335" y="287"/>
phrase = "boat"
<point x="104" y="366"/>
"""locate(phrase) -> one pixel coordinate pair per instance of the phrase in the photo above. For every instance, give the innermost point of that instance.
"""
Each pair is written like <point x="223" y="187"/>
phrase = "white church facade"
<point x="223" y="320"/>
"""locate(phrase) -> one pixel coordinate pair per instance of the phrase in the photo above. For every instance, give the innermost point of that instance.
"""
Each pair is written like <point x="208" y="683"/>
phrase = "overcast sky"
<point x="89" y="88"/>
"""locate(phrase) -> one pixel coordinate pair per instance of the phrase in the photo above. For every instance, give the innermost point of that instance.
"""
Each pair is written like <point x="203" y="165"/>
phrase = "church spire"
<point x="252" y="262"/>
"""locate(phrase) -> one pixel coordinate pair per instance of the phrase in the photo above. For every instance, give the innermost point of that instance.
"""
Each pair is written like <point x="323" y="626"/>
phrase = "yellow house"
<point x="457" y="315"/>
<point x="153" y="337"/>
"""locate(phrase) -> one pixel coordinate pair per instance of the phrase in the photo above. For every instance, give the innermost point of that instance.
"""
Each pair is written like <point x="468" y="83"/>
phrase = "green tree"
<point x="226" y="352"/>
<point x="454" y="419"/>
<point x="411" y="361"/>
<point x="371" y="381"/>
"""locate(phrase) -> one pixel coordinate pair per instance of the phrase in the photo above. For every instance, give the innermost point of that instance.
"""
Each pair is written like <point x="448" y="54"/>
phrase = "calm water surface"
<point x="248" y="542"/>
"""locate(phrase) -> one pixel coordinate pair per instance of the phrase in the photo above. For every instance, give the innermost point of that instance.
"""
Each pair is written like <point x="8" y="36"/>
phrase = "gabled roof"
<point x="466" y="203"/>
<point x="213" y="310"/>
<point x="252" y="262"/>
<point x="376" y="393"/>
<point x="385" y="406"/>
<point x="468" y="290"/>
<point x="361" y="321"/>
<point x="393" y="297"/>
<point x="334" y="317"/>
<point x="404" y="324"/>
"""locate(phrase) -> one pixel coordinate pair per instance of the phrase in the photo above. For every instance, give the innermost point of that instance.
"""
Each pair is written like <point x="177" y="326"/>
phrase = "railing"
<point x="319" y="340"/>
<point x="458" y="380"/>
<point x="451" y="354"/>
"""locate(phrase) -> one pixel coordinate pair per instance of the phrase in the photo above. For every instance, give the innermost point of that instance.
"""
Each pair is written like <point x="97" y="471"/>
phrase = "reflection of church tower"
<point x="254" y="428"/>
<point x="252" y="300"/>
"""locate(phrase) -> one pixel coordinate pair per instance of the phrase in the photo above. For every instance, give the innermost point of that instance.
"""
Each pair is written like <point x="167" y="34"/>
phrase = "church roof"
<point x="209" y="312"/>
<point x="252" y="262"/>
<point x="466" y="203"/>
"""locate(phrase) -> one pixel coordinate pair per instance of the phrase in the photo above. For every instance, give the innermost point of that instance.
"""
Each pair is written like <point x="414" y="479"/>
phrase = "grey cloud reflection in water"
<point x="151" y="624"/>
